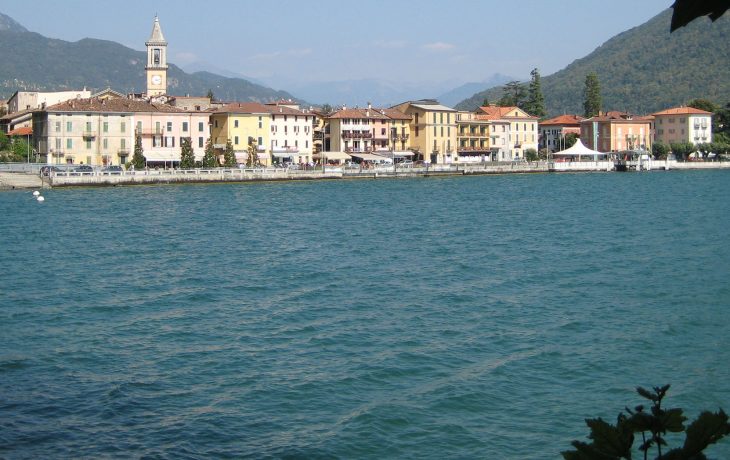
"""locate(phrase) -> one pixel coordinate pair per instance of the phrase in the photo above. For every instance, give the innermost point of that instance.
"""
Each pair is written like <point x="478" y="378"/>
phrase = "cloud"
<point x="438" y="46"/>
<point x="292" y="53"/>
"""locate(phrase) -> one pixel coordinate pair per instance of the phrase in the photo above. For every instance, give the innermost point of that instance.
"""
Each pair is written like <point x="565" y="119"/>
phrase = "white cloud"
<point x="438" y="46"/>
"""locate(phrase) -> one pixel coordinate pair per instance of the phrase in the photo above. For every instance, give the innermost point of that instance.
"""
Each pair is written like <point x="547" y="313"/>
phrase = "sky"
<point x="284" y="43"/>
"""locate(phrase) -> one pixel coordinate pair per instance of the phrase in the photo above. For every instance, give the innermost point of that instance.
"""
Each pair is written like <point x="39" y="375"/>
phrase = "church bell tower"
<point x="156" y="61"/>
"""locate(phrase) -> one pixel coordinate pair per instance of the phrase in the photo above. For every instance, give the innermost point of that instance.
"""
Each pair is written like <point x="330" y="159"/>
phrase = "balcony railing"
<point x="123" y="152"/>
<point x="149" y="132"/>
<point x="89" y="134"/>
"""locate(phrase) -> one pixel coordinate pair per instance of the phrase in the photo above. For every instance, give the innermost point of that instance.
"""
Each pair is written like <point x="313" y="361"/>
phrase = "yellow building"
<point x="400" y="129"/>
<point x="432" y="130"/>
<point x="523" y="134"/>
<point x="241" y="123"/>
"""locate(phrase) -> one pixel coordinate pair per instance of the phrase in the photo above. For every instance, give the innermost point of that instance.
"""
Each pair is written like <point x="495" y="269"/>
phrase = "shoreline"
<point x="17" y="180"/>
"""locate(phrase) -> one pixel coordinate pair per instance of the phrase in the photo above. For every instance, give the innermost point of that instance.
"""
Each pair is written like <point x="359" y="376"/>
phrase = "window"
<point x="434" y="129"/>
<point x="156" y="56"/>
<point x="441" y="120"/>
<point x="382" y="131"/>
<point x="201" y="126"/>
<point x="123" y="127"/>
<point x="235" y="140"/>
<point x="434" y="117"/>
<point x="215" y="123"/>
<point x="106" y="126"/>
<point x="157" y="128"/>
<point x="69" y="144"/>
<point x="200" y="142"/>
<point x="88" y="126"/>
<point x="681" y="120"/>
<point x="69" y="127"/>
<point x="261" y="141"/>
<point x="306" y="144"/>
<point x="58" y="126"/>
<point x="169" y="126"/>
<point x="88" y="144"/>
<point x="235" y="124"/>
<point x="261" y="123"/>
<point x="123" y="144"/>
<point x="139" y="127"/>
<point x="448" y="118"/>
<point x="58" y="143"/>
<point x="106" y="144"/>
<point x="285" y="117"/>
<point x="185" y="126"/>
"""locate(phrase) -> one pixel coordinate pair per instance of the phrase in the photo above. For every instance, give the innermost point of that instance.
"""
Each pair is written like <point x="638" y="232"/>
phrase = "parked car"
<point x="84" y="169"/>
<point x="47" y="170"/>
<point x="113" y="169"/>
<point x="406" y="164"/>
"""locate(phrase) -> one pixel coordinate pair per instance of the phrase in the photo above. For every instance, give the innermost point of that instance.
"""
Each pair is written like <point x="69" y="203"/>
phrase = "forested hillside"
<point x="643" y="70"/>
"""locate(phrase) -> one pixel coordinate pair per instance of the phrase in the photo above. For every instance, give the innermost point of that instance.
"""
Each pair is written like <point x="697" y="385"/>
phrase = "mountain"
<point x="358" y="92"/>
<point x="467" y="89"/>
<point x="30" y="61"/>
<point x="643" y="70"/>
<point x="10" y="25"/>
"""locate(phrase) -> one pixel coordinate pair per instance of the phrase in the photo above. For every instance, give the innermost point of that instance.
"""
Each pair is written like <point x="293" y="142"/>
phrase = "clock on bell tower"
<point x="156" y="62"/>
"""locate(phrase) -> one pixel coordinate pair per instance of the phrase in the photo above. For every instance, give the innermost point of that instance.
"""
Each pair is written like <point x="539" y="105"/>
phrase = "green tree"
<point x="513" y="95"/>
<point x="702" y="104"/>
<point x="569" y="140"/>
<point x="210" y="159"/>
<point x="660" y="150"/>
<point x="531" y="155"/>
<point x="138" y="160"/>
<point x="681" y="149"/>
<point x="4" y="142"/>
<point x="210" y="95"/>
<point x="21" y="149"/>
<point x="326" y="109"/>
<point x="591" y="96"/>
<point x="535" y="104"/>
<point x="615" y="442"/>
<point x="229" y="158"/>
<point x="721" y="125"/>
<point x="485" y="102"/>
<point x="187" y="156"/>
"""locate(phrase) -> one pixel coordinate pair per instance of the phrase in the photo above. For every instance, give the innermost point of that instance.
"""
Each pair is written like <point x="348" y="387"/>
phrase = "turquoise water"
<point x="481" y="317"/>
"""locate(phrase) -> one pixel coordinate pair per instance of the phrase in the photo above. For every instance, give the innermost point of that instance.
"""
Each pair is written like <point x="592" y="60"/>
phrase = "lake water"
<point x="480" y="317"/>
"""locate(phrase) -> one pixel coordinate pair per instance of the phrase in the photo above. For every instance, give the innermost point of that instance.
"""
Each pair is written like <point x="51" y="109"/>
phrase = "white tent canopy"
<point x="579" y="150"/>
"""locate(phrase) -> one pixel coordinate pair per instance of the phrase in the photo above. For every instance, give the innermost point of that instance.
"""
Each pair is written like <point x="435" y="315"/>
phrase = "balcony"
<point x="58" y="153"/>
<point x="123" y="152"/>
<point x="89" y="135"/>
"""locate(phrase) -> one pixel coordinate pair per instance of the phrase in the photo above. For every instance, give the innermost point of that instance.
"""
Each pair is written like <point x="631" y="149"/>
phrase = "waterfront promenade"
<point x="28" y="177"/>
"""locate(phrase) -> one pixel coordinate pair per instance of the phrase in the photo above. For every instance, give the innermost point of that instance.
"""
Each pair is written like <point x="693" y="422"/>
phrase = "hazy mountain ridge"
<point x="643" y="69"/>
<point x="30" y="61"/>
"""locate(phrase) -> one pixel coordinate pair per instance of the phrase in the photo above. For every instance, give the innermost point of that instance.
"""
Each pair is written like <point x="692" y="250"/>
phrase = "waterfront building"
<point x="21" y="104"/>
<point x="156" y="67"/>
<point x="615" y="131"/>
<point x="102" y="132"/>
<point x="432" y="130"/>
<point x="278" y="131"/>
<point x="522" y="135"/>
<point x="358" y="131"/>
<point x="553" y="131"/>
<point x="683" y="124"/>
<point x="291" y="132"/>
<point x="400" y="130"/>
<point x="473" y="138"/>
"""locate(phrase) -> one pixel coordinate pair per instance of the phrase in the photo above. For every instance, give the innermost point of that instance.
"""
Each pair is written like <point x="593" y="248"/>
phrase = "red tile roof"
<point x="365" y="113"/>
<point x="496" y="112"/>
<point x="565" y="120"/>
<point x="257" y="107"/>
<point x="114" y="105"/>
<point x="683" y="111"/>
<point x="24" y="131"/>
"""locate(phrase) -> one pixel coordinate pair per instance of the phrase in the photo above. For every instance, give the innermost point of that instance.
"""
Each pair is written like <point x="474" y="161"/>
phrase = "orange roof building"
<point x="554" y="130"/>
<point x="683" y="124"/>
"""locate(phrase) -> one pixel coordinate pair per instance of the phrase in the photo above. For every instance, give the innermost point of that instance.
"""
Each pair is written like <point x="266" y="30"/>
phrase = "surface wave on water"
<point x="481" y="317"/>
